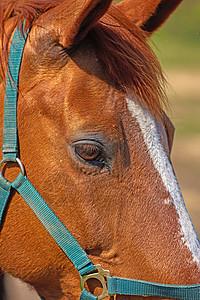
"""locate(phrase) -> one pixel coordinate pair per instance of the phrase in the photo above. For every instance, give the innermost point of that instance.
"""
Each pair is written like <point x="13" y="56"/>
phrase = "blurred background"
<point x="178" y="49"/>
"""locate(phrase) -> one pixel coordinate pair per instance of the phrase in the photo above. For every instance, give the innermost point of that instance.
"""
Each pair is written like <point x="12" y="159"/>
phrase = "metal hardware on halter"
<point x="100" y="276"/>
<point x="15" y="160"/>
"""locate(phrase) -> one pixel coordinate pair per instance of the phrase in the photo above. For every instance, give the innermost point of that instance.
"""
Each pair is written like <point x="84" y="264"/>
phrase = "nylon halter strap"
<point x="60" y="234"/>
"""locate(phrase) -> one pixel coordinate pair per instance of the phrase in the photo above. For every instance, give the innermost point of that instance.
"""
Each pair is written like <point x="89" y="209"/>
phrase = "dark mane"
<point x="121" y="46"/>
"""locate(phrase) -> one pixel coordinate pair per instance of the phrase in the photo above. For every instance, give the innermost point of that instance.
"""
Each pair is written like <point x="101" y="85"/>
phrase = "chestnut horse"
<point x="95" y="143"/>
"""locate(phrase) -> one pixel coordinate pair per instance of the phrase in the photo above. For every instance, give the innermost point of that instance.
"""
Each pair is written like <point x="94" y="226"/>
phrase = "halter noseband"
<point x="73" y="250"/>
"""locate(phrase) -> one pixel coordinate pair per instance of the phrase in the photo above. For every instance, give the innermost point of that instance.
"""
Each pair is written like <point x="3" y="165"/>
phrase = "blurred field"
<point x="185" y="114"/>
<point x="178" y="49"/>
<point x="178" y="41"/>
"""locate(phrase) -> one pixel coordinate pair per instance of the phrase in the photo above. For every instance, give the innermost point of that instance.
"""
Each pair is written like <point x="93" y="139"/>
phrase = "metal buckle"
<point x="7" y="160"/>
<point x="100" y="276"/>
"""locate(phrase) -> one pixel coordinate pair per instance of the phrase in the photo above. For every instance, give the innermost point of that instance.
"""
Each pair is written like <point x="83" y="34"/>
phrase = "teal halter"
<point x="73" y="250"/>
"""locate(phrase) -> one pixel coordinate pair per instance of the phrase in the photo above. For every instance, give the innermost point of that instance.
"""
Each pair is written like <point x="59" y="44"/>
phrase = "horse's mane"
<point x="120" y="44"/>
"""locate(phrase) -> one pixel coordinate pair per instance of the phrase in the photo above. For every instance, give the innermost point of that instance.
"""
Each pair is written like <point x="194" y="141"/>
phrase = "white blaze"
<point x="163" y="166"/>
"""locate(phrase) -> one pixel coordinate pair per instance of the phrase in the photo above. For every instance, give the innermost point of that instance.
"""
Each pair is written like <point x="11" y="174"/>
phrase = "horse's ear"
<point x="148" y="14"/>
<point x="74" y="18"/>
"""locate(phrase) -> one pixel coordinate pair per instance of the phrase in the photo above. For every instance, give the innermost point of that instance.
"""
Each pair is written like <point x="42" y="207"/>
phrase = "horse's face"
<point x="101" y="160"/>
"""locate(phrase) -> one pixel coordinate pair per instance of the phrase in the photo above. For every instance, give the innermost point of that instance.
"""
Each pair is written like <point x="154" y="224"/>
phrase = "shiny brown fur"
<point x="73" y="87"/>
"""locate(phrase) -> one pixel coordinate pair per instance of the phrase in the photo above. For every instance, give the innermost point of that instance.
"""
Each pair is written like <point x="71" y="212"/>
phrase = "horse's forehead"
<point x="95" y="114"/>
<point x="94" y="104"/>
<point x="91" y="100"/>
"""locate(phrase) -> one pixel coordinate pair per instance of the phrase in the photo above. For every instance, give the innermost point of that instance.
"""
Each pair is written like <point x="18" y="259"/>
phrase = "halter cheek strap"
<point x="60" y="234"/>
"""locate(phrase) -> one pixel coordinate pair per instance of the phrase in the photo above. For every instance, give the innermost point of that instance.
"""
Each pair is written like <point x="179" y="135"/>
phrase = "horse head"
<point x="95" y="143"/>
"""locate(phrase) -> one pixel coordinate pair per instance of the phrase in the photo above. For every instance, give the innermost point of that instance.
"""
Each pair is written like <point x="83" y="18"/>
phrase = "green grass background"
<point x="178" y="48"/>
<point x="179" y="39"/>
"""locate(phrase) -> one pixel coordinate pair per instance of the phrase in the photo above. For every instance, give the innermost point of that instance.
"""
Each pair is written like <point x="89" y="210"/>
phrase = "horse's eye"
<point x="90" y="153"/>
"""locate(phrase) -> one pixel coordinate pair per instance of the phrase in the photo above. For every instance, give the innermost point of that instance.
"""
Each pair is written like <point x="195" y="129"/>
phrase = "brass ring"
<point x="100" y="276"/>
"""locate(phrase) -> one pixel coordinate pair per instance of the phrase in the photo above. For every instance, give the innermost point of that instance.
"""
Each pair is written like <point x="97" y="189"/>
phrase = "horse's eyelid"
<point x="106" y="163"/>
